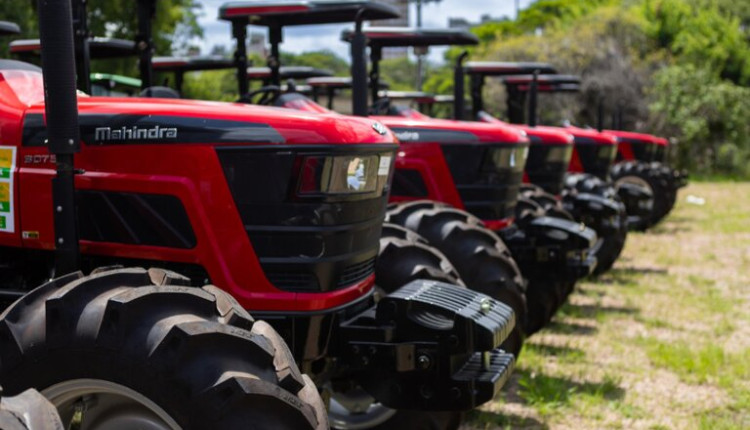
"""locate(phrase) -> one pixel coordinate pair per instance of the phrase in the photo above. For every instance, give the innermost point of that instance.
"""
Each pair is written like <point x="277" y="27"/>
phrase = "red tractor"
<point x="647" y="186"/>
<point x="550" y="152"/>
<point x="283" y="211"/>
<point x="479" y="168"/>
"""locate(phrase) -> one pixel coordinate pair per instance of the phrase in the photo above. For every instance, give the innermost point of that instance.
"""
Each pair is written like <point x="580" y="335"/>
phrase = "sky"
<point x="313" y="38"/>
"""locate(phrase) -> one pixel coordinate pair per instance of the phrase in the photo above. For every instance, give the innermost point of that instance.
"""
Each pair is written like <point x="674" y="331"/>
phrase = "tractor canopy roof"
<point x="405" y="36"/>
<point x="335" y="82"/>
<point x="9" y="28"/>
<point x="542" y="79"/>
<point x="503" y="68"/>
<point x="288" y="72"/>
<point x="303" y="12"/>
<point x="417" y="96"/>
<point x="189" y="64"/>
<point x="99" y="47"/>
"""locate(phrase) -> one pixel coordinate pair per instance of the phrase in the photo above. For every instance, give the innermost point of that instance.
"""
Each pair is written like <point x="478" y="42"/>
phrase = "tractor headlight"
<point x="345" y="174"/>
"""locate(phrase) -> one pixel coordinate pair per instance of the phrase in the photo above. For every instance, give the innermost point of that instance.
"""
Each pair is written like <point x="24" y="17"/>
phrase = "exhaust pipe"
<point x="63" y="133"/>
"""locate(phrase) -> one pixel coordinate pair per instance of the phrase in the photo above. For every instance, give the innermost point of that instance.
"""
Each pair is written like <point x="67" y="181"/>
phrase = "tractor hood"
<point x="107" y="120"/>
<point x="449" y="131"/>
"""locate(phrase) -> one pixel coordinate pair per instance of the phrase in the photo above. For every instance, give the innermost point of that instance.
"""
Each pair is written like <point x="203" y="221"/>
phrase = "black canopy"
<point x="405" y="36"/>
<point x="502" y="68"/>
<point x="288" y="72"/>
<point x="189" y="64"/>
<point x="303" y="12"/>
<point x="8" y="28"/>
<point x="542" y="79"/>
<point x="100" y="48"/>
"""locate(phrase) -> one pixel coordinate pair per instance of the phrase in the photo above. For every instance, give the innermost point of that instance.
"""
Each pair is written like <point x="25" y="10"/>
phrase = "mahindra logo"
<point x="102" y="134"/>
<point x="408" y="135"/>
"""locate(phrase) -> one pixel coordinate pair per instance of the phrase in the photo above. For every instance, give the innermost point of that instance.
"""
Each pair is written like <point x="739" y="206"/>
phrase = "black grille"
<point x="305" y="243"/>
<point x="596" y="158"/>
<point x="487" y="176"/>
<point x="643" y="150"/>
<point x="134" y="219"/>
<point x="357" y="272"/>
<point x="547" y="165"/>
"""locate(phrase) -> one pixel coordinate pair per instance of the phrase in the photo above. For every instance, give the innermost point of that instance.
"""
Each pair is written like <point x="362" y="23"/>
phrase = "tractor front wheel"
<point x="135" y="348"/>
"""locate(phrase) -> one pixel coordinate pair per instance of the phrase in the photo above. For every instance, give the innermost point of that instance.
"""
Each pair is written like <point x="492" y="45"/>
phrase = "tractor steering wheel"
<point x="381" y="106"/>
<point x="264" y="95"/>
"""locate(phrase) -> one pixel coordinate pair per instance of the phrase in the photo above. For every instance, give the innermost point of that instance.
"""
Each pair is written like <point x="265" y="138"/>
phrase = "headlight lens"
<point x="607" y="153"/>
<point x="346" y="174"/>
<point x="510" y="157"/>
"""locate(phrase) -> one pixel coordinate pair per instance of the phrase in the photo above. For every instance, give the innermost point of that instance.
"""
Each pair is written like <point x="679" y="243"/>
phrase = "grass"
<point x="660" y="342"/>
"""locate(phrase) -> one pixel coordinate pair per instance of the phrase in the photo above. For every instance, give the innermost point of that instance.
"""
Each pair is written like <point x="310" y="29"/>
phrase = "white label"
<point x="385" y="166"/>
<point x="7" y="175"/>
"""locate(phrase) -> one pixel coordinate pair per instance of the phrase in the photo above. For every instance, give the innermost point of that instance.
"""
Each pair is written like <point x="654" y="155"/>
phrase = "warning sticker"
<point x="7" y="176"/>
<point x="385" y="166"/>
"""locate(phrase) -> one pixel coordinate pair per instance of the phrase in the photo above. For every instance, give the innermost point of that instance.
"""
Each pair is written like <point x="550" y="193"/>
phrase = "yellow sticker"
<point x="4" y="191"/>
<point x="6" y="158"/>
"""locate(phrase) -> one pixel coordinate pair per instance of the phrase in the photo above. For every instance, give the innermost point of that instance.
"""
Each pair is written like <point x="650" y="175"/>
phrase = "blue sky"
<point x="312" y="38"/>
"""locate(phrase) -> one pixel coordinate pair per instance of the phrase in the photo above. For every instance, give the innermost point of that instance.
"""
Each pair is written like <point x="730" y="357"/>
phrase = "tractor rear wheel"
<point x="647" y="175"/>
<point x="480" y="257"/>
<point x="135" y="348"/>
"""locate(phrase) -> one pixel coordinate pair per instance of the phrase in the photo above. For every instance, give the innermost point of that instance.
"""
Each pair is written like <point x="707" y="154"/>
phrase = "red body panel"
<point x="625" y="148"/>
<point x="190" y="172"/>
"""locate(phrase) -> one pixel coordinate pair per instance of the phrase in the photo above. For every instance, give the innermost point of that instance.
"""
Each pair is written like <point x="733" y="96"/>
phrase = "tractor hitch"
<point x="597" y="212"/>
<point x="552" y="247"/>
<point x="430" y="346"/>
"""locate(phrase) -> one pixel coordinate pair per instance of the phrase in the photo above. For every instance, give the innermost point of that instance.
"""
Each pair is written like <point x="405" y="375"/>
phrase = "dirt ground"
<point x="660" y="342"/>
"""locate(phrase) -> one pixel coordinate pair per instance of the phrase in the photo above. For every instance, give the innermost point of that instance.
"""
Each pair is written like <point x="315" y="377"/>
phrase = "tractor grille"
<point x="547" y="165"/>
<point x="487" y="176"/>
<point x="596" y="158"/>
<point x="306" y="242"/>
<point x="642" y="150"/>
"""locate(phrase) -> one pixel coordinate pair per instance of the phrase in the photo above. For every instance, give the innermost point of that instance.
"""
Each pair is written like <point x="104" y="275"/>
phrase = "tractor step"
<point x="488" y="371"/>
<point x="431" y="346"/>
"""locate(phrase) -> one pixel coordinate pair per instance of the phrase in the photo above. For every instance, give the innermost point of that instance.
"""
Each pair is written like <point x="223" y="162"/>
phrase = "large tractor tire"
<point x="28" y="411"/>
<point x="136" y="348"/>
<point x="404" y="257"/>
<point x="649" y="176"/>
<point x="551" y="205"/>
<point x="480" y="257"/>
<point x="612" y="237"/>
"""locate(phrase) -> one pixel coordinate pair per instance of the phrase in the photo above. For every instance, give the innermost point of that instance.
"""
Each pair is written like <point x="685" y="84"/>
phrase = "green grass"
<point x="659" y="342"/>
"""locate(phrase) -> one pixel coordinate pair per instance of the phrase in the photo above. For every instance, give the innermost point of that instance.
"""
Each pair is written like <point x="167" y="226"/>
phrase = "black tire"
<point x="28" y="411"/>
<point x="612" y="236"/>
<point x="651" y="176"/>
<point x="191" y="354"/>
<point x="405" y="256"/>
<point x="481" y="258"/>
<point x="551" y="205"/>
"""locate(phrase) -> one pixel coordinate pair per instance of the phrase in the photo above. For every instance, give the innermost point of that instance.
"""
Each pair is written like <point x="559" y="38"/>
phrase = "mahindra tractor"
<point x="571" y="175"/>
<point x="647" y="187"/>
<point x="262" y="211"/>
<point x="450" y="171"/>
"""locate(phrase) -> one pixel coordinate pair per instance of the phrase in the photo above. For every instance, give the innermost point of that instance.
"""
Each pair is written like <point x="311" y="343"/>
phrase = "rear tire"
<point x="481" y="258"/>
<point x="178" y="356"/>
<point x="650" y="176"/>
